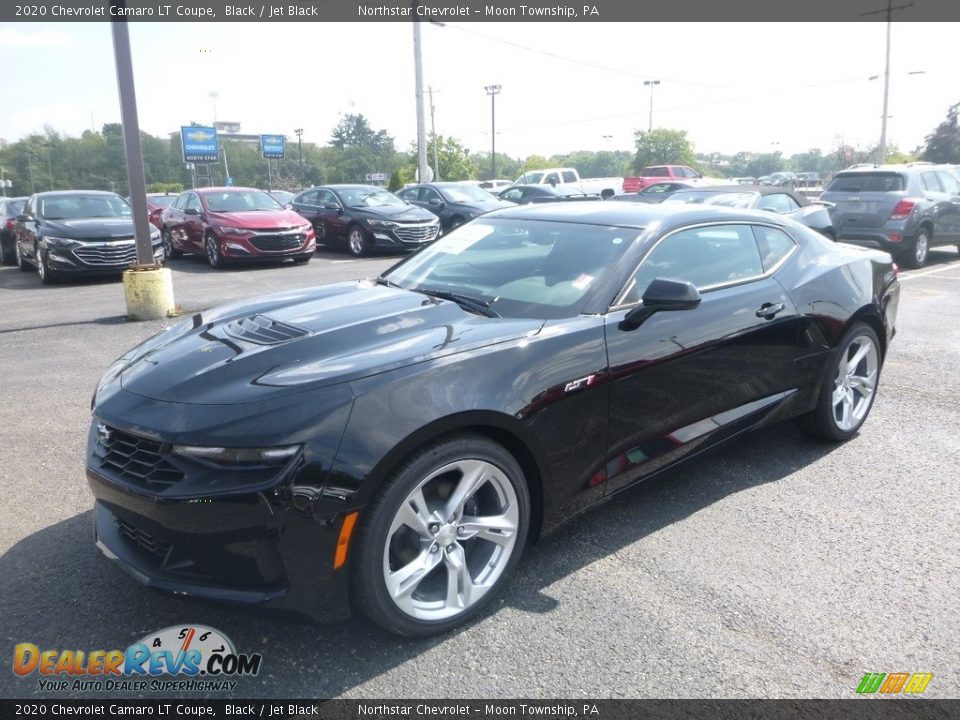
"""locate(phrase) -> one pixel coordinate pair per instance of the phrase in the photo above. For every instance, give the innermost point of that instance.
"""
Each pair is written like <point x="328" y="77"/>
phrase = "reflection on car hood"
<point x="326" y="335"/>
<point x="85" y="228"/>
<point x="259" y="220"/>
<point x="397" y="213"/>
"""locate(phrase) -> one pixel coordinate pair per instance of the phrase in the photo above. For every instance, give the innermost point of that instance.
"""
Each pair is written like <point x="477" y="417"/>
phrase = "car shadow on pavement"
<point x="58" y="592"/>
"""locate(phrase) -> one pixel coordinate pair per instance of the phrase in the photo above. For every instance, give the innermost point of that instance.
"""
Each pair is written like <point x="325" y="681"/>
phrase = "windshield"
<point x="867" y="182"/>
<point x="727" y="199"/>
<point x="465" y="193"/>
<point x="522" y="268"/>
<point x="282" y="196"/>
<point x="70" y="207"/>
<point x="162" y="200"/>
<point x="368" y="197"/>
<point x="240" y="201"/>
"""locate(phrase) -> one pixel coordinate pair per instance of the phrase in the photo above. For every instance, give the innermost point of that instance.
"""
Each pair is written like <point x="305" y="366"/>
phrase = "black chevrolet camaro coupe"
<point x="391" y="445"/>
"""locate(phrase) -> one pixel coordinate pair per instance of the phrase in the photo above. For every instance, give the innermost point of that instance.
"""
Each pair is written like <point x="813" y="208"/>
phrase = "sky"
<point x="759" y="87"/>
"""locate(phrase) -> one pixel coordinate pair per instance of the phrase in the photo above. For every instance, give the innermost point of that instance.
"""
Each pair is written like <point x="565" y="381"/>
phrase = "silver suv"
<point x="903" y="209"/>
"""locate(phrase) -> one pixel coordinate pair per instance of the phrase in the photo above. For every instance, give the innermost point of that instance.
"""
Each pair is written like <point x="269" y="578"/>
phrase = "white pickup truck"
<point x="569" y="179"/>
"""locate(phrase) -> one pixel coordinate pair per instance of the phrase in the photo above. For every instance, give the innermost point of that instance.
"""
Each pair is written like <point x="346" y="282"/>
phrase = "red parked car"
<point x="156" y="202"/>
<point x="235" y="224"/>
<point x="659" y="173"/>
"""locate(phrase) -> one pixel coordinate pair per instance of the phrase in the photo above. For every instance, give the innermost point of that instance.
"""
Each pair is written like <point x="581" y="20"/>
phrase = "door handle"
<point x="768" y="311"/>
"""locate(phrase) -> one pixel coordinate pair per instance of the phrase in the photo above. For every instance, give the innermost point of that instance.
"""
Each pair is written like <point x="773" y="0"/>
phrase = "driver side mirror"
<point x="331" y="206"/>
<point x="436" y="202"/>
<point x="662" y="295"/>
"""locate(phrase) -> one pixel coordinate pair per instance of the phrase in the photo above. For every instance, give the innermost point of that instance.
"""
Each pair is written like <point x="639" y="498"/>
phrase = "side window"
<point x="513" y="195"/>
<point x="930" y="182"/>
<point x="179" y="202"/>
<point x="309" y="198"/>
<point x="949" y="184"/>
<point x="706" y="256"/>
<point x="327" y="197"/>
<point x="193" y="202"/>
<point x="429" y="195"/>
<point x="773" y="244"/>
<point x="569" y="176"/>
<point x="777" y="201"/>
<point x="657" y="172"/>
<point x="552" y="178"/>
<point x="409" y="194"/>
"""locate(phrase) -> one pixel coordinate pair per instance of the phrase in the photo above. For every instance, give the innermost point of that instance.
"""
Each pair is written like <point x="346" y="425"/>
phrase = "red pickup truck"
<point x="659" y="173"/>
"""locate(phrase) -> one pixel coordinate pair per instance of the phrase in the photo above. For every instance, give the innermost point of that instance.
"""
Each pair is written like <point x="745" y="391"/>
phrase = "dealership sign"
<point x="377" y="177"/>
<point x="200" y="144"/>
<point x="271" y="146"/>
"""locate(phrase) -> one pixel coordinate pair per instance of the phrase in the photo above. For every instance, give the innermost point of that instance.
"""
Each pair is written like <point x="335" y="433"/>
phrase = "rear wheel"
<point x="212" y="246"/>
<point x="916" y="255"/>
<point x="849" y="389"/>
<point x="438" y="541"/>
<point x="357" y="242"/>
<point x="169" y="251"/>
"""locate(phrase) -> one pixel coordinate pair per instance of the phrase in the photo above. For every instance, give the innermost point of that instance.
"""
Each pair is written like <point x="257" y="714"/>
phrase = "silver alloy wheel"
<point x="921" y="247"/>
<point x="320" y="230"/>
<point x="451" y="539"/>
<point x="213" y="253"/>
<point x="41" y="266"/>
<point x="855" y="383"/>
<point x="356" y="241"/>
<point x="167" y="243"/>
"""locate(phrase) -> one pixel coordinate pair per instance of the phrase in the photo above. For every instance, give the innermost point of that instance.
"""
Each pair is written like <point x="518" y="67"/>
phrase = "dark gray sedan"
<point x="453" y="202"/>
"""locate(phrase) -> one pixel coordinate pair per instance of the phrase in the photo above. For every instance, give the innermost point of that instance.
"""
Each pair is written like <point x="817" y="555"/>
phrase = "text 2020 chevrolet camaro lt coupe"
<point x="391" y="445"/>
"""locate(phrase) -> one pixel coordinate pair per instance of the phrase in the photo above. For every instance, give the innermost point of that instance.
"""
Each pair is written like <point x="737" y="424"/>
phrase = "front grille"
<point x="417" y="233"/>
<point x="263" y="330"/>
<point x="144" y="540"/>
<point x="138" y="460"/>
<point x="106" y="255"/>
<point x="277" y="243"/>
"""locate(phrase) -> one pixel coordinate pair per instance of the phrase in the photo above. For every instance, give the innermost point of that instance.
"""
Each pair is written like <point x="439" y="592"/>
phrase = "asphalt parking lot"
<point x="776" y="567"/>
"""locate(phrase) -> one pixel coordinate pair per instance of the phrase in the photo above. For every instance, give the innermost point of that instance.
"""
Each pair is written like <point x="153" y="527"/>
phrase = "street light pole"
<point x="493" y="91"/>
<point x="433" y="132"/>
<point x="886" y="91"/>
<point x="651" y="83"/>
<point x="299" y="132"/>
<point x="422" y="164"/>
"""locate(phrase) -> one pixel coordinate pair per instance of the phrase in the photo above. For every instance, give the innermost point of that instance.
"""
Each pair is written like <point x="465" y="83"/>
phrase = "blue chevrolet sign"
<point x="271" y="146"/>
<point x="200" y="144"/>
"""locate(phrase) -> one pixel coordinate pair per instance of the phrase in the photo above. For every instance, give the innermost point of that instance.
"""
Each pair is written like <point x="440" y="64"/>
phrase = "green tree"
<point x="455" y="162"/>
<point x="943" y="144"/>
<point x="662" y="146"/>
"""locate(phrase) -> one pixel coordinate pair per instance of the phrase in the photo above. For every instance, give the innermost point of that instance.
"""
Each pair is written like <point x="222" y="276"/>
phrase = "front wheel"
<point x="212" y="247"/>
<point x="48" y="276"/>
<point x="438" y="541"/>
<point x="357" y="242"/>
<point x="849" y="389"/>
<point x="21" y="260"/>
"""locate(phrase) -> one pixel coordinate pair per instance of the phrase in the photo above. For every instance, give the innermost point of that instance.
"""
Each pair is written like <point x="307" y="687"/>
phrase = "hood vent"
<point x="263" y="330"/>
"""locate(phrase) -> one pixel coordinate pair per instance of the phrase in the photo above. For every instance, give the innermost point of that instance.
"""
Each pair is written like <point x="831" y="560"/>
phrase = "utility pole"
<point x="49" y="165"/>
<point x="33" y="184"/>
<point x="493" y="91"/>
<point x="651" y="83"/>
<point x="299" y="132"/>
<point x="433" y="131"/>
<point x="422" y="164"/>
<point x="888" y="11"/>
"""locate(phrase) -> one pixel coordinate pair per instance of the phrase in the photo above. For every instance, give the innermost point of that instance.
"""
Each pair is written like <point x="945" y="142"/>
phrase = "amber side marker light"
<point x="343" y="542"/>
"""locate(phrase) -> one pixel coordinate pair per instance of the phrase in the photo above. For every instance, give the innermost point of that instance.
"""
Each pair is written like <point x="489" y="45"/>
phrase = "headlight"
<point x="57" y="242"/>
<point x="381" y="223"/>
<point x="238" y="456"/>
<point x="305" y="228"/>
<point x="233" y="230"/>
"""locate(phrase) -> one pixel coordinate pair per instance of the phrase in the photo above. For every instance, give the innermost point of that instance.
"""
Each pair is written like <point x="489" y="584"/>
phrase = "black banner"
<point x="872" y="709"/>
<point x="477" y="11"/>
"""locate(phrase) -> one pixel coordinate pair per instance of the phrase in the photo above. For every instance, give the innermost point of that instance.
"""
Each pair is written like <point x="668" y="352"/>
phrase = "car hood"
<point x="86" y="228"/>
<point x="259" y="219"/>
<point x="306" y="339"/>
<point x="396" y="213"/>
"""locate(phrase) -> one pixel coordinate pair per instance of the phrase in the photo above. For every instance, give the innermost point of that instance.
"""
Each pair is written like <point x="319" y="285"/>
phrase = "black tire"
<point x="7" y="257"/>
<point x="21" y="261"/>
<point x="320" y="230"/>
<point x="455" y="222"/>
<point x="48" y="276"/>
<point x="916" y="255"/>
<point x="170" y="251"/>
<point x="212" y="247"/>
<point x="358" y="242"/>
<point x="822" y="422"/>
<point x="371" y="555"/>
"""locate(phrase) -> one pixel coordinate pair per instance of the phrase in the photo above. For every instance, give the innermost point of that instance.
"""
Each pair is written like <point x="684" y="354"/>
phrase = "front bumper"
<point x="271" y="546"/>
<point x="405" y="236"/>
<point x="98" y="257"/>
<point x="268" y="245"/>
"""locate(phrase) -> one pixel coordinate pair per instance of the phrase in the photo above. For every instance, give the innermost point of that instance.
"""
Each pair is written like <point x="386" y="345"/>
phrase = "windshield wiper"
<point x="473" y="304"/>
<point x="388" y="283"/>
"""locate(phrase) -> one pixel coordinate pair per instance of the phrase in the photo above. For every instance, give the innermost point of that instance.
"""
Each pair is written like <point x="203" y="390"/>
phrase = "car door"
<point x="950" y="216"/>
<point x="193" y="223"/>
<point x="430" y="199"/>
<point x="941" y="205"/>
<point x="25" y="230"/>
<point x="684" y="380"/>
<point x="307" y="205"/>
<point x="333" y="214"/>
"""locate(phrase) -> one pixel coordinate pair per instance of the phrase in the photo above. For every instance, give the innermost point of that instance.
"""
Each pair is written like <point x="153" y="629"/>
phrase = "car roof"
<point x="635" y="215"/>
<point x="348" y="186"/>
<point x="228" y="188"/>
<point x="67" y="193"/>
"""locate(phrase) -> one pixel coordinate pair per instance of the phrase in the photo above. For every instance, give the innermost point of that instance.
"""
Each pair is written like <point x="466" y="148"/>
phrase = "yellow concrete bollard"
<point x="149" y="293"/>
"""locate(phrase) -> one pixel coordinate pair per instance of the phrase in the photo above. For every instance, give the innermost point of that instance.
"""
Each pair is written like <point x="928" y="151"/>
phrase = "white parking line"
<point x="341" y="262"/>
<point x="911" y="276"/>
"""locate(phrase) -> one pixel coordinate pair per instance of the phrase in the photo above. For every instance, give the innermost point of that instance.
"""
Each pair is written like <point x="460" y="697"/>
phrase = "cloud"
<point x="10" y="37"/>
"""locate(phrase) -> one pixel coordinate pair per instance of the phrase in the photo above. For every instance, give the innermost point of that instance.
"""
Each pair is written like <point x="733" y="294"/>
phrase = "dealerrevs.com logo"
<point x="201" y="658"/>
<point x="894" y="683"/>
